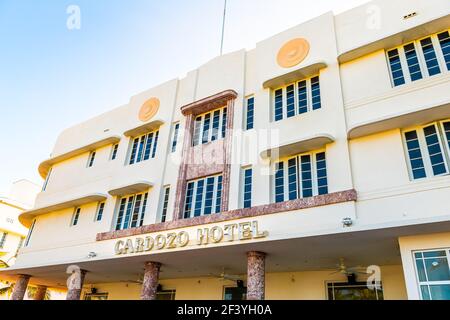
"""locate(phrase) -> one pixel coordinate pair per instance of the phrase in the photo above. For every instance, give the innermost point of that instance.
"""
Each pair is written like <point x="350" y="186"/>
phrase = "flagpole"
<point x="223" y="26"/>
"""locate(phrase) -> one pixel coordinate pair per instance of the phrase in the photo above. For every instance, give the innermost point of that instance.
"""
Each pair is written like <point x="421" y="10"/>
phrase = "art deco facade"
<point x="324" y="148"/>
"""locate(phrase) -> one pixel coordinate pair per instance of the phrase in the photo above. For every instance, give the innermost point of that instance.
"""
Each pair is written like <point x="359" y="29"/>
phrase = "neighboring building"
<point x="182" y="179"/>
<point x="12" y="233"/>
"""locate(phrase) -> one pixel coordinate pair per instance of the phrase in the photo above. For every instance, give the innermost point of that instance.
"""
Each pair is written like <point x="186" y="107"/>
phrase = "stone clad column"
<point x="256" y="275"/>
<point x="74" y="292"/>
<point x="20" y="288"/>
<point x="40" y="293"/>
<point x="150" y="283"/>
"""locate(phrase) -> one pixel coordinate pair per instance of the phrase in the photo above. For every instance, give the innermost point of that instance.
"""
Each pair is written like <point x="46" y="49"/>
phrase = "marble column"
<point x="256" y="275"/>
<point x="74" y="292"/>
<point x="40" y="293"/>
<point x="20" y="288"/>
<point x="150" y="283"/>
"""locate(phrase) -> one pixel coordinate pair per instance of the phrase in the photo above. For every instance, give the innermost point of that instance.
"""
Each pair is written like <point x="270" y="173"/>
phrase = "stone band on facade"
<point x="74" y="293"/>
<point x="150" y="283"/>
<point x="304" y="203"/>
<point x="256" y="262"/>
<point x="20" y="288"/>
<point x="40" y="293"/>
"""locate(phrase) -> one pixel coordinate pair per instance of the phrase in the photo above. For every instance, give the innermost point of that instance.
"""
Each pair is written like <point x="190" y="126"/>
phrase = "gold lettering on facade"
<point x="216" y="234"/>
<point x="205" y="236"/>
<point x="171" y="240"/>
<point x="183" y="239"/>
<point x="245" y="231"/>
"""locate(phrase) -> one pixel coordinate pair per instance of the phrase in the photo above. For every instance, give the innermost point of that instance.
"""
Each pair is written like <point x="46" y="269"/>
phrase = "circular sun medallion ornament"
<point x="149" y="109"/>
<point x="293" y="52"/>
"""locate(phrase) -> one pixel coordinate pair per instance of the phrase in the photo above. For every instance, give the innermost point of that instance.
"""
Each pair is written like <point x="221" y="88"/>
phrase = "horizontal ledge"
<point x="27" y="217"/>
<point x="400" y="121"/>
<point x="295" y="75"/>
<point x="45" y="166"/>
<point x="136" y="187"/>
<point x="142" y="129"/>
<point x="299" y="146"/>
<point x="209" y="103"/>
<point x="304" y="203"/>
<point x="417" y="32"/>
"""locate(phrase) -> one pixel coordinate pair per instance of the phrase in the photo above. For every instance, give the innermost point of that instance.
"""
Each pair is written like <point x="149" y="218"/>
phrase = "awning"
<point x="304" y="72"/>
<point x="145" y="128"/>
<point x="135" y="187"/>
<point x="45" y="166"/>
<point x="299" y="146"/>
<point x="209" y="103"/>
<point x="26" y="217"/>
<point x="400" y="121"/>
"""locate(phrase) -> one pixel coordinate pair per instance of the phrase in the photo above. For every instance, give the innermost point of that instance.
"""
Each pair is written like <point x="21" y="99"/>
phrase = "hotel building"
<point x="296" y="170"/>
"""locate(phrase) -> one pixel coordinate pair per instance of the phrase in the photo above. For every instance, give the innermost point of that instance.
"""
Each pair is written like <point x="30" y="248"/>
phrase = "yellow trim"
<point x="143" y="129"/>
<point x="45" y="166"/>
<point x="136" y="187"/>
<point x="296" y="75"/>
<point x="26" y="218"/>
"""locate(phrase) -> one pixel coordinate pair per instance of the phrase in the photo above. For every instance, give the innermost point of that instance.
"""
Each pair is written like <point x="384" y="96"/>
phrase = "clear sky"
<point x="52" y="77"/>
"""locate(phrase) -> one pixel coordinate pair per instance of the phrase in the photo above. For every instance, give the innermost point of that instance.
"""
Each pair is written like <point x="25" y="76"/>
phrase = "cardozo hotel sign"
<point x="179" y="239"/>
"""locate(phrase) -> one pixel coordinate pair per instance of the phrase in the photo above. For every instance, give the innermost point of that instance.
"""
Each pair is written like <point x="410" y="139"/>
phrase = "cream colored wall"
<point x="414" y="243"/>
<point x="279" y="286"/>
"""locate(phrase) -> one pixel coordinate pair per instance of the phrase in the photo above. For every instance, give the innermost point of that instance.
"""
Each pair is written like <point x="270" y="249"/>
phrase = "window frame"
<point x="246" y="113"/>
<point x="175" y="136"/>
<point x="114" y="151"/>
<point x="75" y="217"/>
<point x="429" y="174"/>
<point x="91" y="159"/>
<point x="199" y="127"/>
<point x="299" y="188"/>
<point x="243" y="192"/>
<point x="144" y="197"/>
<point x="100" y="206"/>
<point x="136" y="156"/>
<point x="3" y="239"/>
<point x="164" y="205"/>
<point x="428" y="283"/>
<point x="218" y="179"/>
<point x="309" y="98"/>
<point x="420" y="57"/>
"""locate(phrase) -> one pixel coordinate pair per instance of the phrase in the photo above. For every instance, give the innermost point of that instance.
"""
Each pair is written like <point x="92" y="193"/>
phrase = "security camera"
<point x="92" y="255"/>
<point x="347" y="222"/>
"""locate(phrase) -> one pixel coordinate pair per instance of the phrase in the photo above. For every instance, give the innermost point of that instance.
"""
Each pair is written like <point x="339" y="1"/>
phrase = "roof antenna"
<point x="223" y="26"/>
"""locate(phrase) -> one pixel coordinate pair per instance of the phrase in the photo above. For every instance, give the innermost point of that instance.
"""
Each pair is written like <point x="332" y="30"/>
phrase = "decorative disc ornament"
<point x="149" y="109"/>
<point x="293" y="52"/>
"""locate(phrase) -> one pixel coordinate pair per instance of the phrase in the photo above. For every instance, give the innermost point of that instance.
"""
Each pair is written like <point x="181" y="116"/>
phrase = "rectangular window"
<point x="20" y="245"/>
<point x="249" y="114"/>
<point x="3" y="239"/>
<point x="444" y="41"/>
<point x="297" y="98"/>
<point x="210" y="126"/>
<point x="421" y="58"/>
<point x="427" y="150"/>
<point x="44" y="187"/>
<point x="131" y="211"/>
<point x="27" y="240"/>
<point x="247" y="187"/>
<point x="201" y="194"/>
<point x="75" y="217"/>
<point x="433" y="274"/>
<point x="175" y="137"/>
<point x="100" y="209"/>
<point x="144" y="147"/>
<point x="91" y="159"/>
<point x="165" y="204"/>
<point x="306" y="176"/>
<point x="114" y="150"/>
<point x="353" y="291"/>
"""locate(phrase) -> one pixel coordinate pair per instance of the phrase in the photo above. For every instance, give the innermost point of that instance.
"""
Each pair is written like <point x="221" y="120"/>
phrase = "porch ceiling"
<point x="363" y="248"/>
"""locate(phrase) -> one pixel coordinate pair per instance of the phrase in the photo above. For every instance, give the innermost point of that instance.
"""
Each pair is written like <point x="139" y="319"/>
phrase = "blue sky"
<point x="52" y="78"/>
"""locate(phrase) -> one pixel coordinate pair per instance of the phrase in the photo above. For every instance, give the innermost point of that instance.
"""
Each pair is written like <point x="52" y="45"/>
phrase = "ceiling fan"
<point x="347" y="271"/>
<point x="223" y="276"/>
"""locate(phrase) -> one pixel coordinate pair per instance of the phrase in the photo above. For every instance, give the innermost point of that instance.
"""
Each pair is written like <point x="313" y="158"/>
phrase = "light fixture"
<point x="347" y="222"/>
